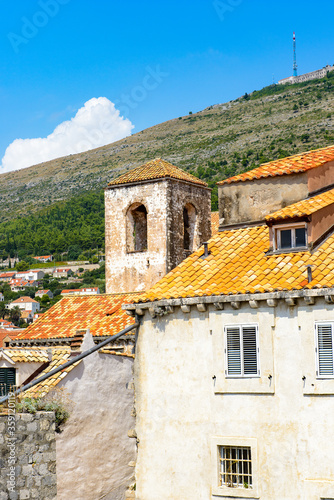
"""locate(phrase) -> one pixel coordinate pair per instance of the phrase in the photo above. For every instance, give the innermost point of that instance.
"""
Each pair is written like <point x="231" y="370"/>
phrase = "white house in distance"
<point x="2" y="298"/>
<point x="62" y="272"/>
<point x="44" y="258"/>
<point x="40" y="293"/>
<point x="33" y="274"/>
<point x="234" y="372"/>
<point x="25" y="304"/>
<point x="19" y="284"/>
<point x="81" y="291"/>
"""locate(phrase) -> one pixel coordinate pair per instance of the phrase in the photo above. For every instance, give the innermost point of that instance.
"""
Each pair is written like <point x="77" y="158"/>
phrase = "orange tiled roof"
<point x="59" y="356"/>
<point x="24" y="300"/>
<point x="22" y="355"/>
<point x="237" y="264"/>
<point x="304" y="207"/>
<point x="155" y="169"/>
<point x="214" y="223"/>
<point x="290" y="165"/>
<point x="102" y="314"/>
<point x="4" y="333"/>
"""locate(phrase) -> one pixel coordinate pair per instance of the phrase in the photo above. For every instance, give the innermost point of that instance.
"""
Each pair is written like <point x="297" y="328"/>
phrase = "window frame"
<point x="228" y="491"/>
<point x="242" y="375"/>
<point x="317" y="358"/>
<point x="284" y="227"/>
<point x="7" y="385"/>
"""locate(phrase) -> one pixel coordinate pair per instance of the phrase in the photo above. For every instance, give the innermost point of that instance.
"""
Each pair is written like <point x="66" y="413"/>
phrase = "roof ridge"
<point x="157" y="168"/>
<point x="298" y="163"/>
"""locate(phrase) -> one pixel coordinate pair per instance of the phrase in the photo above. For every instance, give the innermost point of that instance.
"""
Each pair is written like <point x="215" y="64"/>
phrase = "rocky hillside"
<point x="215" y="143"/>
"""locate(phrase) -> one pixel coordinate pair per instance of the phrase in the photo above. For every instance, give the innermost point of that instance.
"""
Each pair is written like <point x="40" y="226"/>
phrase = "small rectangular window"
<point x="324" y="350"/>
<point x="7" y="380"/>
<point x="242" y="351"/>
<point x="235" y="467"/>
<point x="290" y="237"/>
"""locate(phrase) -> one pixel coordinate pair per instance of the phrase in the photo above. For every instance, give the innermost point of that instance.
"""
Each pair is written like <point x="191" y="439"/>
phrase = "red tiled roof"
<point x="238" y="264"/>
<point x="214" y="223"/>
<point x="24" y="300"/>
<point x="155" y="169"/>
<point x="102" y="314"/>
<point x="285" y="166"/>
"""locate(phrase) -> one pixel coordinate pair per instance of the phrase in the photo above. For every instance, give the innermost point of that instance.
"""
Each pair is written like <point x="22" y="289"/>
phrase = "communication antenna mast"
<point x="294" y="56"/>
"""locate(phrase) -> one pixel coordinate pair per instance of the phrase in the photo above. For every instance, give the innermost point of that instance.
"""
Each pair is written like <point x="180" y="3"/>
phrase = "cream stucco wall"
<point x="23" y="370"/>
<point x="185" y="406"/>
<point x="93" y="451"/>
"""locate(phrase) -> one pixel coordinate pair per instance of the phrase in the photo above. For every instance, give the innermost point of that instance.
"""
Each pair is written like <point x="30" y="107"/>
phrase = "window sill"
<point x="319" y="387"/>
<point x="136" y="251"/>
<point x="224" y="491"/>
<point x="243" y="385"/>
<point x="287" y="250"/>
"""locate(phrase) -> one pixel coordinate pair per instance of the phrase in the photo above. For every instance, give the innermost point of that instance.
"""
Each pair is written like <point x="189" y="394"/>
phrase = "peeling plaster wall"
<point x="181" y="408"/>
<point x="93" y="451"/>
<point x="252" y="200"/>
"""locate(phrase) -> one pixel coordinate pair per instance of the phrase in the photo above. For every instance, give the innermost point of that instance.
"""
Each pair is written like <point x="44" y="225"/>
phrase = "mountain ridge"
<point x="215" y="143"/>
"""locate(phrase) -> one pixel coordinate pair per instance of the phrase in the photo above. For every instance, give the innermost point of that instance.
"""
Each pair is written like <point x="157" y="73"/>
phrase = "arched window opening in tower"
<point x="189" y="227"/>
<point x="137" y="228"/>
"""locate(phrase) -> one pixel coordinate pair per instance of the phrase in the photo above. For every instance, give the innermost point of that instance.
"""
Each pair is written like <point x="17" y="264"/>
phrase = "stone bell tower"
<point x="156" y="215"/>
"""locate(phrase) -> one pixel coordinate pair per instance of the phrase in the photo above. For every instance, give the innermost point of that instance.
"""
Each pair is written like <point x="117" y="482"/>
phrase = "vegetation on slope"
<point x="216" y="143"/>
<point x="74" y="226"/>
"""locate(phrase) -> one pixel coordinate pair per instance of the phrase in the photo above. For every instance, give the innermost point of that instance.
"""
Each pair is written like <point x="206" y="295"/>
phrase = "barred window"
<point x="235" y="467"/>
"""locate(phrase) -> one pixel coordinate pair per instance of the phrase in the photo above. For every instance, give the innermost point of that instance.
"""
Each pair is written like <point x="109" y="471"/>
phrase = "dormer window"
<point x="290" y="236"/>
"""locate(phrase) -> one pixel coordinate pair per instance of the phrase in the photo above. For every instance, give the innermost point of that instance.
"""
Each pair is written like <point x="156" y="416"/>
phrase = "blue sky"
<point x="155" y="61"/>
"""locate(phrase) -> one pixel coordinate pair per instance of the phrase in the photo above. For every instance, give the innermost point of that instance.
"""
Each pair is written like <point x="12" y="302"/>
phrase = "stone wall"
<point x="129" y="270"/>
<point x="319" y="73"/>
<point x="28" y="456"/>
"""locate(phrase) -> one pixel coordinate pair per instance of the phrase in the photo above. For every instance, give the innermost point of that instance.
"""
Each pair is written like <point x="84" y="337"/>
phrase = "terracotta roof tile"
<point x="304" y="207"/>
<point x="285" y="166"/>
<point x="155" y="169"/>
<point x="22" y="355"/>
<point x="214" y="223"/>
<point x="102" y="314"/>
<point x="59" y="356"/>
<point x="252" y="270"/>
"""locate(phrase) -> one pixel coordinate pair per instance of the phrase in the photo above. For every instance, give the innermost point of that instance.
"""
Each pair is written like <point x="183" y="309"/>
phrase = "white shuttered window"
<point x="242" y="351"/>
<point x="324" y="350"/>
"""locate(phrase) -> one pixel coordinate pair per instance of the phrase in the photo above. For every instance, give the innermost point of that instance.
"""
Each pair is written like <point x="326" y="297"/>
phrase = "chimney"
<point x="76" y="342"/>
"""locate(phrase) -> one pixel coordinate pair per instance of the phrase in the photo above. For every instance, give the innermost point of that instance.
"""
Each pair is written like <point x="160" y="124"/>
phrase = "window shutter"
<point x="249" y="350"/>
<point x="325" y="350"/>
<point x="7" y="380"/>
<point x="233" y="351"/>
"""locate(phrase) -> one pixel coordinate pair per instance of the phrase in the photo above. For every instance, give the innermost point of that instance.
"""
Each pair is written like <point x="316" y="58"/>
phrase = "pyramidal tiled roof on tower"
<point x="291" y="165"/>
<point x="155" y="169"/>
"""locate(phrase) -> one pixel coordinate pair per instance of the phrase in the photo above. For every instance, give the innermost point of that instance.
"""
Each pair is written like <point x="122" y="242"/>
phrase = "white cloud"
<point x="97" y="123"/>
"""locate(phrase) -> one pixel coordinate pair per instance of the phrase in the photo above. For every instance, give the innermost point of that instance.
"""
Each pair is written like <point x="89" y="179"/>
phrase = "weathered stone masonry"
<point x="35" y="453"/>
<point x="164" y="201"/>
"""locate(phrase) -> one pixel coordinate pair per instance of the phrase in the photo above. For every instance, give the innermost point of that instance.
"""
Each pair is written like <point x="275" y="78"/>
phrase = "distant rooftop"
<point x="156" y="169"/>
<point x="290" y="165"/>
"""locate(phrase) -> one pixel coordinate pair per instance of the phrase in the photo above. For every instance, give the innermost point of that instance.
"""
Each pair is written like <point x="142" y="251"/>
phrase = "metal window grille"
<point x="235" y="467"/>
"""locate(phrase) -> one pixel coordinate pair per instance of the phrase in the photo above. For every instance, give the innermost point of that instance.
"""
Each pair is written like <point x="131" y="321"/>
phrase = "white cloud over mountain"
<point x="97" y="123"/>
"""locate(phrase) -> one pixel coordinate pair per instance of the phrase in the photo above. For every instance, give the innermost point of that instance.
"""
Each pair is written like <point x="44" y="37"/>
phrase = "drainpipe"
<point x="72" y="361"/>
